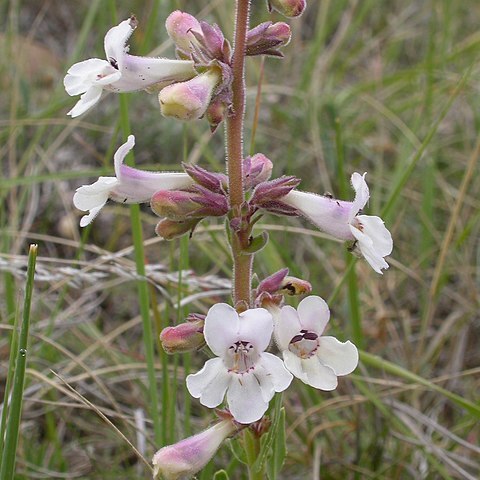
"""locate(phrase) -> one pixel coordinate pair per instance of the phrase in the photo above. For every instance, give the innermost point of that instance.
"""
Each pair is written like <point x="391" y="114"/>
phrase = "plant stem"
<point x="242" y="263"/>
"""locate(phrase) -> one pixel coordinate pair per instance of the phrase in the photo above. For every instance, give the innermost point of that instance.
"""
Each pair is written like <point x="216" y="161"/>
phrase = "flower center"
<point x="304" y="344"/>
<point x="241" y="357"/>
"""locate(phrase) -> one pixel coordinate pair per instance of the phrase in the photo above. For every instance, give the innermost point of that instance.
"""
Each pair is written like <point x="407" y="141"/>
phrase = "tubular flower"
<point x="185" y="458"/>
<point x="242" y="370"/>
<point x="130" y="185"/>
<point x="315" y="360"/>
<point x="121" y="72"/>
<point x="341" y="220"/>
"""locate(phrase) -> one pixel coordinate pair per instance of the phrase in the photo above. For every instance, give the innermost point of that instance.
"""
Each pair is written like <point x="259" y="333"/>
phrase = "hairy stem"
<point x="242" y="263"/>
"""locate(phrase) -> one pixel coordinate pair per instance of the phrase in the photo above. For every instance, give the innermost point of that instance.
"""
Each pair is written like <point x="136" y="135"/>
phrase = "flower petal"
<point x="362" y="194"/>
<point x="293" y="363"/>
<point x="87" y="101"/>
<point x="318" y="375"/>
<point x="221" y="328"/>
<point x="275" y="368"/>
<point x="210" y="383"/>
<point x="245" y="398"/>
<point x="121" y="153"/>
<point x="328" y="214"/>
<point x="139" y="73"/>
<point x="90" y="217"/>
<point x="286" y="327"/>
<point x="115" y="41"/>
<point x="374" y="240"/>
<point x="95" y="195"/>
<point x="314" y="314"/>
<point x="341" y="357"/>
<point x="256" y="327"/>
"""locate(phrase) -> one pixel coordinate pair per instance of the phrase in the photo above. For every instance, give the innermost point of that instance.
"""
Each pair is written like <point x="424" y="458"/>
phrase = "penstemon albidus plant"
<point x="207" y="81"/>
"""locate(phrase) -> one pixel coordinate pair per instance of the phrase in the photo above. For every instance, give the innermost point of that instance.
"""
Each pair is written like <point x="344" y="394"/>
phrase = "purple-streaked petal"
<point x="314" y="314"/>
<point x="115" y="41"/>
<point x="341" y="357"/>
<point x="221" y="328"/>
<point x="374" y="240"/>
<point x="265" y="381"/>
<point x="328" y="214"/>
<point x="318" y="375"/>
<point x="362" y="194"/>
<point x="210" y="383"/>
<point x="287" y="325"/>
<point x="276" y="371"/>
<point x="256" y="327"/>
<point x="245" y="398"/>
<point x="87" y="101"/>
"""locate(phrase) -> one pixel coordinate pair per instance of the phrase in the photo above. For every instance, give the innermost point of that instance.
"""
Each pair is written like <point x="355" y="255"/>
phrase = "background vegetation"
<point x="391" y="88"/>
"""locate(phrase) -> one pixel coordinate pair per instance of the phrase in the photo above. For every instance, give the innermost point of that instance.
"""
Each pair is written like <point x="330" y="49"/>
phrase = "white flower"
<point x="129" y="186"/>
<point x="248" y="375"/>
<point x="121" y="72"/>
<point x="315" y="360"/>
<point x="341" y="220"/>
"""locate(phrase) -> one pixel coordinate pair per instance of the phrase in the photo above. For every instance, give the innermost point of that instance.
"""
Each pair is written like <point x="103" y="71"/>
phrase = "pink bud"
<point x="257" y="169"/>
<point x="273" y="190"/>
<point x="267" y="38"/>
<point x="288" y="8"/>
<point x="185" y="337"/>
<point x="189" y="100"/>
<point x="216" y="182"/>
<point x="216" y="113"/>
<point x="273" y="282"/>
<point x="180" y="26"/>
<point x="170" y="229"/>
<point x="187" y="457"/>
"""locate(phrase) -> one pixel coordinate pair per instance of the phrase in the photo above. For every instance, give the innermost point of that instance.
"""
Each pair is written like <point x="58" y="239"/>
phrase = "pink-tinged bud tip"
<point x="189" y="100"/>
<point x="185" y="337"/>
<point x="173" y="204"/>
<point x="179" y="27"/>
<point x="288" y="8"/>
<point x="187" y="457"/>
<point x="280" y="31"/>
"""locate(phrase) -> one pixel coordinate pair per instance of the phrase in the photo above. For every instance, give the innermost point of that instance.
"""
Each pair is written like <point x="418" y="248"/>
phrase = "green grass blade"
<point x="13" y="423"/>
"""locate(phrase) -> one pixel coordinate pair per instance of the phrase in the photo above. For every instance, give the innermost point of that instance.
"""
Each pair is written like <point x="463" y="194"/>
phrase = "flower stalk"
<point x="242" y="263"/>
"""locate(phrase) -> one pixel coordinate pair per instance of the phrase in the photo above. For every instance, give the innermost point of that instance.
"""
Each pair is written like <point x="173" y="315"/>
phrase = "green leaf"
<point x="256" y="243"/>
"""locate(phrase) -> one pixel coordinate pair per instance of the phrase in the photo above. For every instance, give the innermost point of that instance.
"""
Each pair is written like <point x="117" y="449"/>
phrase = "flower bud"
<point x="189" y="100"/>
<point x="170" y="229"/>
<point x="295" y="286"/>
<point x="180" y="26"/>
<point x="267" y="38"/>
<point x="288" y="8"/>
<point x="174" y="204"/>
<point x="257" y="169"/>
<point x="273" y="190"/>
<point x="273" y="282"/>
<point x="185" y="337"/>
<point x="216" y="113"/>
<point x="187" y="457"/>
<point x="215" y="182"/>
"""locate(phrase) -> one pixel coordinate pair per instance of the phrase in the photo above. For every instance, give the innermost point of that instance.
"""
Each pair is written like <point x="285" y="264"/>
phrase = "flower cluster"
<point x="259" y="344"/>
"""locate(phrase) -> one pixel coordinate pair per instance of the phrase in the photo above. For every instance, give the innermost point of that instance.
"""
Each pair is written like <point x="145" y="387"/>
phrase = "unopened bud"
<point x="214" y="182"/>
<point x="185" y="337"/>
<point x="189" y="100"/>
<point x="180" y="26"/>
<point x="273" y="190"/>
<point x="295" y="286"/>
<point x="185" y="458"/>
<point x="288" y="8"/>
<point x="257" y="169"/>
<point x="267" y="38"/>
<point x="173" y="204"/>
<point x="216" y="113"/>
<point x="170" y="229"/>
